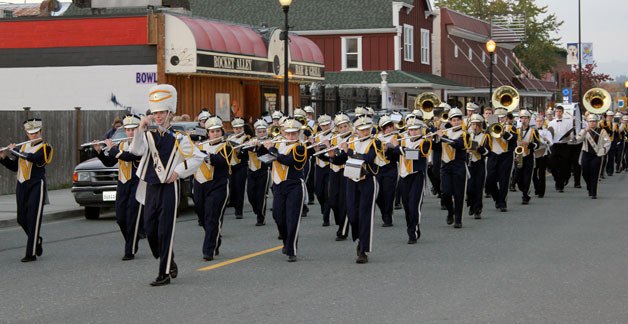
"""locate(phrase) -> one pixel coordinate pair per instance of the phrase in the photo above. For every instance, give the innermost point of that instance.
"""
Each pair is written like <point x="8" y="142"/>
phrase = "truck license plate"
<point x="109" y="196"/>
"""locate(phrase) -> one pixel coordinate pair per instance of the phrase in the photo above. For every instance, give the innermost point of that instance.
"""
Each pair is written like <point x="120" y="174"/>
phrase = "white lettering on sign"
<point x="232" y="63"/>
<point x="145" y="77"/>
<point x="303" y="70"/>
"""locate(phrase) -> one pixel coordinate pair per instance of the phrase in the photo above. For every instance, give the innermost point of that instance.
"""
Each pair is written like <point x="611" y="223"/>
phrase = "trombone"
<point x="115" y="141"/>
<point x="338" y="146"/>
<point x="22" y="143"/>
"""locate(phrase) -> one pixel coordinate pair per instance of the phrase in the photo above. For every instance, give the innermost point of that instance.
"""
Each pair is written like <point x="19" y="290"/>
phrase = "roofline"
<point x="467" y="34"/>
<point x="346" y="31"/>
<point x="424" y="85"/>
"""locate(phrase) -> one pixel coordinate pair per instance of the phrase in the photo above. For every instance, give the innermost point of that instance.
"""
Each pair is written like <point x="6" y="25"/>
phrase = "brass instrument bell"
<point x="597" y="101"/>
<point x="506" y="97"/>
<point x="427" y="101"/>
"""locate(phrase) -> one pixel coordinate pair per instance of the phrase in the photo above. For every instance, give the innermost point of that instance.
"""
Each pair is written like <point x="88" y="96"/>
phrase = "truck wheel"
<point x="92" y="212"/>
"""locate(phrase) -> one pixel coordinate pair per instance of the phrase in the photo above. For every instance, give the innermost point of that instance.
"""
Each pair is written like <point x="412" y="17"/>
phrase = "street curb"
<point x="62" y="214"/>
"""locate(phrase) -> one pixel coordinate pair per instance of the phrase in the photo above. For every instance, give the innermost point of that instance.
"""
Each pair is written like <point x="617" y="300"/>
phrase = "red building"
<point x="462" y="57"/>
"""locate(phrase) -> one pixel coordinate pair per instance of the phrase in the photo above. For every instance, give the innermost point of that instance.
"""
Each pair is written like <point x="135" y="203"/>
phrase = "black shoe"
<point x="387" y="225"/>
<point x="525" y="202"/>
<point x="458" y="225"/>
<point x="541" y="196"/>
<point x="471" y="212"/>
<point x="174" y="270"/>
<point x="513" y="189"/>
<point x="292" y="258"/>
<point x="29" y="258"/>
<point x="279" y="237"/>
<point x="284" y="251"/>
<point x="503" y="209"/>
<point x="577" y="186"/>
<point x="142" y="235"/>
<point x="341" y="238"/>
<point x="310" y="202"/>
<point x="561" y="190"/>
<point x="161" y="280"/>
<point x="208" y="258"/>
<point x="200" y="223"/>
<point x="362" y="258"/>
<point x="477" y="216"/>
<point x="593" y="197"/>
<point x="487" y="196"/>
<point x="325" y="224"/>
<point x="260" y="223"/>
<point x="398" y="206"/>
<point x="239" y="216"/>
<point x="357" y="250"/>
<point x="411" y="241"/>
<point x="39" y="250"/>
<point x="128" y="257"/>
<point x="450" y="218"/>
<point x="443" y="207"/>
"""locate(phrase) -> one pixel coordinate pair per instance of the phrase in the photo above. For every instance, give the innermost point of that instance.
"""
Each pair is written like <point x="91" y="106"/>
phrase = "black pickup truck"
<point x="94" y="185"/>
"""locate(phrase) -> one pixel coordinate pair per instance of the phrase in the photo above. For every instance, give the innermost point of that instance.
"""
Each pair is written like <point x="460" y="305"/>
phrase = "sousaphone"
<point x="597" y="101"/>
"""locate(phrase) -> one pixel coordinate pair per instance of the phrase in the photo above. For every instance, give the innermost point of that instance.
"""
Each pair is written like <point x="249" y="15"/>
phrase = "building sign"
<point x="145" y="77"/>
<point x="302" y="70"/>
<point x="225" y="63"/>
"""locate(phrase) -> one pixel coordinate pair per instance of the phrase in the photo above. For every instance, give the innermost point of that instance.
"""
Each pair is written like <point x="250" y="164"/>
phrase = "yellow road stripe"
<point x="238" y="259"/>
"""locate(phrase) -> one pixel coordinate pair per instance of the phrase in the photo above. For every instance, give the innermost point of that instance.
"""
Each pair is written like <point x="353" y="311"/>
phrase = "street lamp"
<point x="285" y="5"/>
<point x="490" y="47"/>
<point x="626" y="86"/>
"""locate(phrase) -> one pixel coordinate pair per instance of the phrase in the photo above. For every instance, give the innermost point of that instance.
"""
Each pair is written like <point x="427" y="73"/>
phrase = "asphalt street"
<point x="561" y="259"/>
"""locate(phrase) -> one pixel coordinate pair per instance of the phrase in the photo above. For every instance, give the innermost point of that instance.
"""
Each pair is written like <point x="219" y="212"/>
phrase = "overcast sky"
<point x="603" y="24"/>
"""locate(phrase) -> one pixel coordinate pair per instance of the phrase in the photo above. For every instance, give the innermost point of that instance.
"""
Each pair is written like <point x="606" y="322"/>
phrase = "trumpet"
<point x="22" y="143"/>
<point x="105" y="141"/>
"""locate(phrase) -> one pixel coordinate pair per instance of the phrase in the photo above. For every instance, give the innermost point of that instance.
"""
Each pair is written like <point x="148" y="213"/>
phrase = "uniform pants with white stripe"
<point x="498" y="170"/>
<point x="591" y="166"/>
<point x="337" y="202"/>
<point x="160" y="214"/>
<point x="453" y="177"/>
<point x="237" y="183"/>
<point x="30" y="206"/>
<point x="477" y="170"/>
<point x="128" y="211"/>
<point x="412" y="200"/>
<point x="387" y="179"/>
<point x="214" y="198"/>
<point x="524" y="179"/>
<point x="321" y="186"/>
<point x="256" y="191"/>
<point x="310" y="179"/>
<point x="538" y="176"/>
<point x="288" y="198"/>
<point x="360" y="209"/>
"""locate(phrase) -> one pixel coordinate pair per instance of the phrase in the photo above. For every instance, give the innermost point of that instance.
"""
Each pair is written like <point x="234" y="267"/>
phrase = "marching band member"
<point x="128" y="209"/>
<point x="29" y="161"/>
<point x="619" y="143"/>
<point x="337" y="180"/>
<point x="549" y="116"/>
<point x="472" y="108"/>
<point x="541" y="155"/>
<point x="624" y="131"/>
<point x="387" y="176"/>
<point x="308" y="171"/>
<point x="258" y="177"/>
<point x="499" y="163"/>
<point x="213" y="177"/>
<point x="559" y="159"/>
<point x="595" y="144"/>
<point x="476" y="165"/>
<point x="276" y="117"/>
<point x="362" y="188"/>
<point x="166" y="157"/>
<point x="433" y="169"/>
<point x="413" y="150"/>
<point x="239" y="163"/>
<point x="528" y="138"/>
<point x="310" y="114"/>
<point x="288" y="185"/>
<point x="321" y="171"/>
<point x="608" y="165"/>
<point x="453" y="166"/>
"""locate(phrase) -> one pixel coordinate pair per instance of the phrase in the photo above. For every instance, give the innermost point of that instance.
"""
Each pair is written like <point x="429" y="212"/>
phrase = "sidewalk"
<point x="62" y="205"/>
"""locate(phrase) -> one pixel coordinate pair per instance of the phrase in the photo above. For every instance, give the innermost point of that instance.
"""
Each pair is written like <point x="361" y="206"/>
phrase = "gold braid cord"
<point x="379" y="151"/>
<point x="429" y="150"/>
<point x="297" y="158"/>
<point x="47" y="158"/>
<point x="176" y="143"/>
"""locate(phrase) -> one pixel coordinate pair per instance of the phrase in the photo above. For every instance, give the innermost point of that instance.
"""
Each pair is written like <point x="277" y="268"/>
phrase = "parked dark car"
<point x="94" y="184"/>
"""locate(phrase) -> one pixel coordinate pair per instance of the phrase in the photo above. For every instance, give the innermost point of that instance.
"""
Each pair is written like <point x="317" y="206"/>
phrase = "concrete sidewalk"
<point x="62" y="205"/>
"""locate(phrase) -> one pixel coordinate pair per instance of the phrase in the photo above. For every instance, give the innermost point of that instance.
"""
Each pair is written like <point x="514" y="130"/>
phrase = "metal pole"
<point x="579" y="59"/>
<point x="490" y="83"/>
<point x="286" y="85"/>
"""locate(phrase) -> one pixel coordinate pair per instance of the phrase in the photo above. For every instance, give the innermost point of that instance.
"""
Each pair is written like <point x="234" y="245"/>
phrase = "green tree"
<point x="537" y="50"/>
